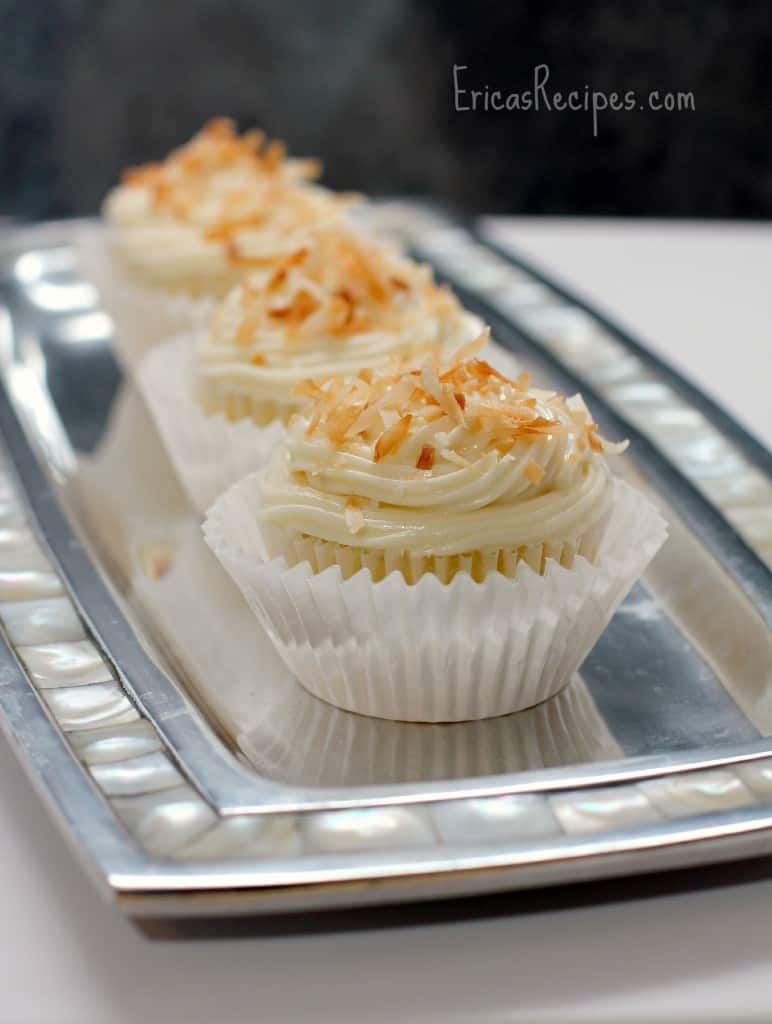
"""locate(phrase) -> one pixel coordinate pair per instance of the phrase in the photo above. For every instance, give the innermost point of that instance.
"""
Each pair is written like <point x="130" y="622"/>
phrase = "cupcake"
<point x="335" y="303"/>
<point x="180" y="233"/>
<point x="439" y="543"/>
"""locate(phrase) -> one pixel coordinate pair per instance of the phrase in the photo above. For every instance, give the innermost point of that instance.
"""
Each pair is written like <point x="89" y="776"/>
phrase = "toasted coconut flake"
<point x="308" y="389"/>
<point x="425" y="458"/>
<point x="242" y="259"/>
<point x="431" y="383"/>
<point x="339" y="422"/>
<point x="483" y="369"/>
<point x="471" y="348"/>
<point x="391" y="439"/>
<point x="594" y="442"/>
<point x="576" y="406"/>
<point x="504" y="445"/>
<point x="303" y="304"/>
<point x="274" y="155"/>
<point x="277" y="280"/>
<point x="369" y="421"/>
<point x="316" y="419"/>
<point x="614" y="447"/>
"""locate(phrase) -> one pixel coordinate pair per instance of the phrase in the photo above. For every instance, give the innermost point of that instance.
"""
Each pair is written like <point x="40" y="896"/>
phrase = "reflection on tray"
<point x="204" y="627"/>
<point x="304" y="741"/>
<point x="292" y="737"/>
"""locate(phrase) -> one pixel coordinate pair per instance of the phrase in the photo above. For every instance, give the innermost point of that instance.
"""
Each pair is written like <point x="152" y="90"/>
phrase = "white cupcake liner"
<point x="433" y="652"/>
<point x="209" y="453"/>
<point x="143" y="315"/>
<point x="320" y="554"/>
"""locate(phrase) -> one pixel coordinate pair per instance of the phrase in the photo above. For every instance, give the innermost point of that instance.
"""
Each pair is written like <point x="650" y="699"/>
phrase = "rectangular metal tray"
<point x="194" y="776"/>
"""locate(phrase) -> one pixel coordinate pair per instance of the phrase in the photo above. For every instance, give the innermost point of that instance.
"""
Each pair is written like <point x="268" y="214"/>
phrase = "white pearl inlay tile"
<point x="364" y="828"/>
<point x="52" y="620"/>
<point x="90" y="707"/>
<point x="147" y="773"/>
<point x="11" y="512"/>
<point x="521" y="816"/>
<point x="28" y="584"/>
<point x="268" y="835"/>
<point x="603" y="810"/>
<point x="697" y="793"/>
<point x="73" y="663"/>
<point x="163" y="822"/>
<point x="757" y="776"/>
<point x="20" y="550"/>
<point x="115" y="743"/>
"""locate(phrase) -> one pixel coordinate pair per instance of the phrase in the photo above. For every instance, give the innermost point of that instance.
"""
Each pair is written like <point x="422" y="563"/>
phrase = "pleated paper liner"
<point x="296" y="548"/>
<point x="429" y="651"/>
<point x="209" y="452"/>
<point x="143" y="315"/>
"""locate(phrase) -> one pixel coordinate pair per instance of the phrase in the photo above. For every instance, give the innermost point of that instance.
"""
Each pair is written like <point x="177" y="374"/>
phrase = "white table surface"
<point x="629" y="951"/>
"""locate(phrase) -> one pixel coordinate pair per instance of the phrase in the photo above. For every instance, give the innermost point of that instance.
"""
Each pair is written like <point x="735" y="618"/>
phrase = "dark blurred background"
<point x="88" y="86"/>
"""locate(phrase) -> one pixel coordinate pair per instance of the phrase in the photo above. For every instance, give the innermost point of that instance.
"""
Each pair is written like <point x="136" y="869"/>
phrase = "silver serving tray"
<point x="193" y="776"/>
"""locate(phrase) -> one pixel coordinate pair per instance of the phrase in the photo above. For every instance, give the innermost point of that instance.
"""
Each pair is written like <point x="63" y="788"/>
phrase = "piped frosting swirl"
<point x="327" y="304"/>
<point x="439" y="460"/>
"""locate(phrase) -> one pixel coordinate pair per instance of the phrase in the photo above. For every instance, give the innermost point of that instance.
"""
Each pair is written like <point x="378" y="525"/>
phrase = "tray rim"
<point x="132" y="873"/>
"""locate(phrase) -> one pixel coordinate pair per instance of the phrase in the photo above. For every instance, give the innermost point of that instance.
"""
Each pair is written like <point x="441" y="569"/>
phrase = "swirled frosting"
<point x="201" y="218"/>
<point x="439" y="461"/>
<point x="328" y="304"/>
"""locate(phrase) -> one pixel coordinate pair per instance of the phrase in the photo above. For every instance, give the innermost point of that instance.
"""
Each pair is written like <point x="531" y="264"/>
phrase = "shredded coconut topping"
<point x="383" y="410"/>
<point x="229" y="186"/>
<point x="334" y="283"/>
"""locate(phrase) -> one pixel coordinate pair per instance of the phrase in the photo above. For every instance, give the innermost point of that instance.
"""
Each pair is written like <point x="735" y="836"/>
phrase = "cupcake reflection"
<point x="304" y="741"/>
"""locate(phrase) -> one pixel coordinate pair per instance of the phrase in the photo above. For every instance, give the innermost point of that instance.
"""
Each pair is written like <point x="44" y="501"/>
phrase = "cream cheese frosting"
<point x="439" y="461"/>
<point x="201" y="218"/>
<point x="328" y="304"/>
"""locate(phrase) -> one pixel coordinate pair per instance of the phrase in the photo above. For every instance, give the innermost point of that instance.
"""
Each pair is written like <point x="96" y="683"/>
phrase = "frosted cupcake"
<point x="180" y="233"/>
<point x="438" y="471"/>
<point x="436" y="544"/>
<point x="335" y="303"/>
